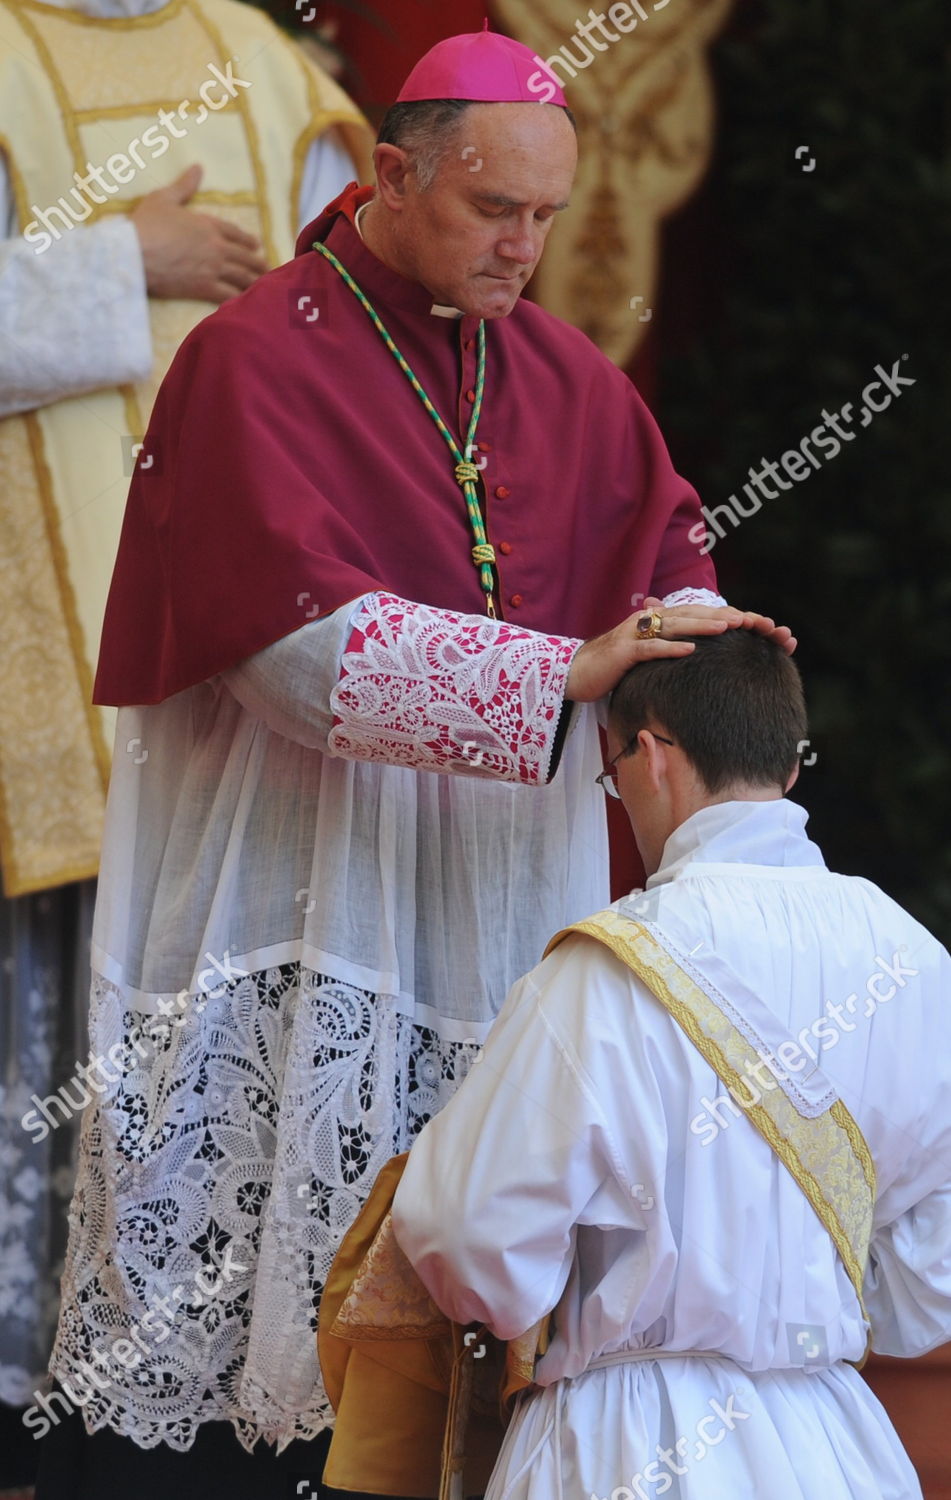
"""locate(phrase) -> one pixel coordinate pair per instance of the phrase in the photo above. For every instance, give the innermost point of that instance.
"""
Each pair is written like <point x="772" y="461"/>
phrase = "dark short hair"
<point x="734" y="705"/>
<point x="426" y="128"/>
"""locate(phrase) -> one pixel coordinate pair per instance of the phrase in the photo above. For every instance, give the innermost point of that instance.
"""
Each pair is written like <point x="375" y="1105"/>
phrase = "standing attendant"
<point x="379" y="570"/>
<point x="145" y="177"/>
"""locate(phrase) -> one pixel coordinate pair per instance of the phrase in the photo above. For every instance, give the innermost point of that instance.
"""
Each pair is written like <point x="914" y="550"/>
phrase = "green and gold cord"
<point x="465" y="471"/>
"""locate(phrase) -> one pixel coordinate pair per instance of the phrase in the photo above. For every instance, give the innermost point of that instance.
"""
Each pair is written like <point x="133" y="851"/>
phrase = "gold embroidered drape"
<point x="644" y="110"/>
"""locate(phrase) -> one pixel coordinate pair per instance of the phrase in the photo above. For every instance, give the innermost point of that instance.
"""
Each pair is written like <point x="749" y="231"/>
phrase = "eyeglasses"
<point x="607" y="781"/>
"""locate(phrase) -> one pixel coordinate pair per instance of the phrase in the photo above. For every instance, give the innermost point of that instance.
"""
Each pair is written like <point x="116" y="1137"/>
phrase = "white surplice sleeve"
<point x="288" y="685"/>
<point x="419" y="687"/>
<point x="908" y="1282"/>
<point x="73" y="319"/>
<point x="496" y="1184"/>
<point x="907" y="1288"/>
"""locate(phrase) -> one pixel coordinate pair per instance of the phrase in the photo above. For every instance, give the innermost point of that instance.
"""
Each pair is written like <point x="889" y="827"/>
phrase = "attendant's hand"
<point x="601" y="662"/>
<point x="191" y="254"/>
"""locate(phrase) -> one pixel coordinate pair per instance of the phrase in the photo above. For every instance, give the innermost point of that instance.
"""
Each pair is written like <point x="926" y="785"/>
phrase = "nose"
<point x="521" y="245"/>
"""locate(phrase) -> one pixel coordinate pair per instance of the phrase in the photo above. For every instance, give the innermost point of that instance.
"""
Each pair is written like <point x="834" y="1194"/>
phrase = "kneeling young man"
<point x="710" y="1132"/>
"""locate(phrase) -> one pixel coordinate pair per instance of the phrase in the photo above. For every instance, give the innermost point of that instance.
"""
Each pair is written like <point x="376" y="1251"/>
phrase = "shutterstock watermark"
<point x="125" y="1352"/>
<point x="823" y="443"/>
<point x="102" y="1072"/>
<point x="118" y="170"/>
<point x="792" y="1056"/>
<point x="546" y="82"/>
<point x="655" y="1478"/>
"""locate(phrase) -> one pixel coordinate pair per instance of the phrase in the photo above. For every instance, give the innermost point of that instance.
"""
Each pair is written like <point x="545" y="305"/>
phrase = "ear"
<point x="655" y="758"/>
<point x="391" y="164"/>
<point x="793" y="778"/>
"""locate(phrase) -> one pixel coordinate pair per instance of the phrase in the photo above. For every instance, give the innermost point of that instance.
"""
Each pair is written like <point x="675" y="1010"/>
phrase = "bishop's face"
<point x="475" y="236"/>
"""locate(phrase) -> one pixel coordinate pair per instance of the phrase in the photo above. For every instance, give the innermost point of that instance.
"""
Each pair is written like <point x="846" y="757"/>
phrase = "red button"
<point x="505" y="547"/>
<point x="515" y="600"/>
<point x="484" y="447"/>
<point x="467" y="344"/>
<point x="502" y="492"/>
<point x="470" y="395"/>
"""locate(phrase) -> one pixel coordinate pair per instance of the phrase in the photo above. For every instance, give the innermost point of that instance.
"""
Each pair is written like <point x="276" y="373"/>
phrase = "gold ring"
<point x="648" y="626"/>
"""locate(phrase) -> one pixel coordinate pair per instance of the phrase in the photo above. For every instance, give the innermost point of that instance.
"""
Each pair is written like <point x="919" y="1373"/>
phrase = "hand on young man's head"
<point x="601" y="662"/>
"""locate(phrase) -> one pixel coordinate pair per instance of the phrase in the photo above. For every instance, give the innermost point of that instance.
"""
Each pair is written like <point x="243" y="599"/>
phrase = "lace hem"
<point x="439" y="691"/>
<point x="217" y="1178"/>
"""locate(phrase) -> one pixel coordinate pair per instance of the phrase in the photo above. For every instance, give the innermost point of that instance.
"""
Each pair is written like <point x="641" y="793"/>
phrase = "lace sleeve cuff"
<point x="439" y="691"/>
<point x="693" y="596"/>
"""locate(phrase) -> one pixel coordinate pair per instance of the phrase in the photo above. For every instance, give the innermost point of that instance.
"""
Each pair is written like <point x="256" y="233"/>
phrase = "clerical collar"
<point x="438" y="309"/>
<point x="734" y="833"/>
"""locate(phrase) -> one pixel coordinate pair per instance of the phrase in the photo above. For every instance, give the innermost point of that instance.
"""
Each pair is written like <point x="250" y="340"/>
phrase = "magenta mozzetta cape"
<point x="289" y="467"/>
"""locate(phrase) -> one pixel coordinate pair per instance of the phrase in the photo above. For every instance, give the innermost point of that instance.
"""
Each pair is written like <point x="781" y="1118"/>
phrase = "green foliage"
<point x="826" y="274"/>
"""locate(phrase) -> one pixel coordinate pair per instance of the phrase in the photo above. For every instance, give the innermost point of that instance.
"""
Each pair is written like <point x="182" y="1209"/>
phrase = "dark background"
<point x="781" y="291"/>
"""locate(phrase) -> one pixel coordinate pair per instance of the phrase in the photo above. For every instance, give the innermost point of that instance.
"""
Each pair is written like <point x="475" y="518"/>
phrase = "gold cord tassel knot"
<point x="466" y="473"/>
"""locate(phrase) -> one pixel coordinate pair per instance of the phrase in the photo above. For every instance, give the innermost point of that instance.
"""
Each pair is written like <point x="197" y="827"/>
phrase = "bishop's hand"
<point x="601" y="662"/>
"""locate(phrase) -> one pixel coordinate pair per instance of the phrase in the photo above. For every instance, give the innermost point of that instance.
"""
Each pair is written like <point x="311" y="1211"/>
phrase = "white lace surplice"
<point x="368" y="919"/>
<point x="344" y="932"/>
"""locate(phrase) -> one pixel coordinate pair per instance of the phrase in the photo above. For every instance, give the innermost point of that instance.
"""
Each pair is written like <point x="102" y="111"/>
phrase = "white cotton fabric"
<point x="645" y="1230"/>
<point x="239" y="833"/>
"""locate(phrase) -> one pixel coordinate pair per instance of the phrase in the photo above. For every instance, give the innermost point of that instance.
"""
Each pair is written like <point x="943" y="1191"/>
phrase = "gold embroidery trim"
<point x="321" y="119"/>
<point x="251" y="133"/>
<point x="324" y="119"/>
<point x="55" y="78"/>
<point x="833" y="1141"/>
<point x="20" y="195"/>
<point x="146" y="109"/>
<point x="105" y="23"/>
<point x="240" y="198"/>
<point x="101" y="752"/>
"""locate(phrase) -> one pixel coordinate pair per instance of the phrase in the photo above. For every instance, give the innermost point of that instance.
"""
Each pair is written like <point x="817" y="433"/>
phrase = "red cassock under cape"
<point x="289" y="467"/>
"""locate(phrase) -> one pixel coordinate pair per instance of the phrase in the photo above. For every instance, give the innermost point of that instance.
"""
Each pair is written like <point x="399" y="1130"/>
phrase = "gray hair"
<point x="426" y="129"/>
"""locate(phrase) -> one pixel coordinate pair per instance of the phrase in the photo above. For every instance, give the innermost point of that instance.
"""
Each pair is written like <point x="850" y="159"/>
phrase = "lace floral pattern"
<point x="217" y="1178"/>
<point x="441" y="691"/>
<point x="693" y="596"/>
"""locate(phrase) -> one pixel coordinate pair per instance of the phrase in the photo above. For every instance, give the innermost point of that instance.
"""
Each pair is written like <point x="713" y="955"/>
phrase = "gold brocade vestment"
<point x="78" y="92"/>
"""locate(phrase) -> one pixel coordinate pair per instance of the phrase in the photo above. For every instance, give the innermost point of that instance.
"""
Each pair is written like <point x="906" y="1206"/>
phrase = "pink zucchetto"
<point x="483" y="66"/>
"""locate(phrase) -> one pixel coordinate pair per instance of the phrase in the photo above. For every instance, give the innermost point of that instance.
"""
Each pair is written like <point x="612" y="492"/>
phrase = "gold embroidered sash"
<point x="826" y="1153"/>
